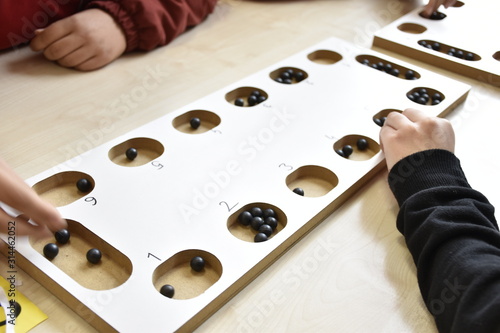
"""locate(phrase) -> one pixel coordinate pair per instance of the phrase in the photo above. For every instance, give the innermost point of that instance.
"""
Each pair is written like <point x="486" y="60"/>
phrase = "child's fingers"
<point x="49" y="35"/>
<point x="75" y="58"/>
<point x="63" y="47"/>
<point x="19" y="226"/>
<point x="414" y="115"/>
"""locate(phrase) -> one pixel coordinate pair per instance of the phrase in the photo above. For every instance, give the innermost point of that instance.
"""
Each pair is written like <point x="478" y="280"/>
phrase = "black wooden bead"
<point x="279" y="80"/>
<point x="260" y="237"/>
<point x="252" y="100"/>
<point x="421" y="100"/>
<point x="261" y="98"/>
<point x="255" y="93"/>
<point x="362" y="144"/>
<point x="268" y="212"/>
<point x="195" y="122"/>
<point x="435" y="101"/>
<point x="167" y="290"/>
<point x="50" y="251"/>
<point x="245" y="217"/>
<point x="365" y="62"/>
<point x="469" y="56"/>
<point x="94" y="256"/>
<point x="388" y="68"/>
<point x="266" y="229"/>
<point x="299" y="76"/>
<point x="377" y="121"/>
<point x="423" y="43"/>
<point x="84" y="185"/>
<point x="256" y="222"/>
<point x="409" y="75"/>
<point x="272" y="222"/>
<point x="340" y="152"/>
<point x="382" y="120"/>
<point x="287" y="81"/>
<point x="197" y="263"/>
<point x="256" y="211"/>
<point x="285" y="75"/>
<point x="437" y="96"/>
<point x="239" y="102"/>
<point x="298" y="191"/>
<point x="422" y="91"/>
<point x="131" y="153"/>
<point x="394" y="72"/>
<point x="62" y="236"/>
<point x="459" y="54"/>
<point x="436" y="46"/>
<point x="17" y="307"/>
<point x="347" y="150"/>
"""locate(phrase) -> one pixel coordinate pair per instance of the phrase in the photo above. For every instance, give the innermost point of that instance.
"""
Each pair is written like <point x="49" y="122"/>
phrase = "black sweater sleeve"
<point x="451" y="232"/>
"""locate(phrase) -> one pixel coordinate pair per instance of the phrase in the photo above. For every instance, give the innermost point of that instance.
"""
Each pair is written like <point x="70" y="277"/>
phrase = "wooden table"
<point x="353" y="272"/>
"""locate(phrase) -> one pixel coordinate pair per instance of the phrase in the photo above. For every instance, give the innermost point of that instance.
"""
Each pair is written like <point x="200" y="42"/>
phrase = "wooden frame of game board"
<point x="462" y="28"/>
<point x="182" y="196"/>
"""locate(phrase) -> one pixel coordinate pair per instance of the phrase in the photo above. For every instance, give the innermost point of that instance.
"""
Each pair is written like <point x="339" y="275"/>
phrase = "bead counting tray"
<point x="466" y="28"/>
<point x="182" y="195"/>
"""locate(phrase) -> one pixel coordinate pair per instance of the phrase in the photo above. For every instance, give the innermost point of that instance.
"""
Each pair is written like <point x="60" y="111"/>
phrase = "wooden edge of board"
<point x="456" y="67"/>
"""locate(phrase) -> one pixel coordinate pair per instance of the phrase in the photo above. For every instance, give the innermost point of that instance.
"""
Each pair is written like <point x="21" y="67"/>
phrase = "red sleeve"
<point x="148" y="24"/>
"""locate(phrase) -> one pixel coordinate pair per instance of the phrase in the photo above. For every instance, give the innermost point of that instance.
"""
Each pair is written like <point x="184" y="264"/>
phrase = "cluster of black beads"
<point x="454" y="52"/>
<point x="289" y="76"/>
<point x="389" y="69"/>
<point x="347" y="150"/>
<point x="434" y="46"/>
<point x="422" y="97"/>
<point x="457" y="53"/>
<point x="254" y="98"/>
<point x="264" y="221"/>
<point x="62" y="236"/>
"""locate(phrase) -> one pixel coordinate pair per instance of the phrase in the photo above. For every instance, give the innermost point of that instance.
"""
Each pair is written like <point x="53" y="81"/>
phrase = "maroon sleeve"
<point x="148" y="24"/>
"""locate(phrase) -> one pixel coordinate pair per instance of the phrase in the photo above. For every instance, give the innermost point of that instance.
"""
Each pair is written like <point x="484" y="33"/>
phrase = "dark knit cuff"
<point x="424" y="170"/>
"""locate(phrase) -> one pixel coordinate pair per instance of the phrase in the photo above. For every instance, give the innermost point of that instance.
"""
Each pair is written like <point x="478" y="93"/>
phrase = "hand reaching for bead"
<point x="412" y="131"/>
<point x="85" y="41"/>
<point x="15" y="193"/>
<point x="433" y="6"/>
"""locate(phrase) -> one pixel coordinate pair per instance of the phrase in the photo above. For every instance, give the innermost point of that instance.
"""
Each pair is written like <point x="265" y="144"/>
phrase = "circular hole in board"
<point x="207" y="121"/>
<point x="111" y="271"/>
<point x="147" y="150"/>
<point x="412" y="28"/>
<point x="246" y="232"/>
<point x="458" y="4"/>
<point x="315" y="181"/>
<point x="425" y="96"/>
<point x="61" y="189"/>
<point x="324" y="57"/>
<point x="436" y="16"/>
<point x="243" y="94"/>
<point x="388" y="67"/>
<point x="358" y="154"/>
<point x="187" y="283"/>
<point x="288" y="75"/>
<point x="496" y="56"/>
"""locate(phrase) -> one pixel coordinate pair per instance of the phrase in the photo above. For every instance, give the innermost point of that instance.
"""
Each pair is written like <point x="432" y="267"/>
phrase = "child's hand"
<point x="86" y="41"/>
<point x="412" y="131"/>
<point x="18" y="195"/>
<point x="433" y="6"/>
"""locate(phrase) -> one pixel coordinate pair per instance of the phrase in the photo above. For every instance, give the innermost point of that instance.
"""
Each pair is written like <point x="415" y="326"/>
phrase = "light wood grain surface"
<point x="353" y="272"/>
